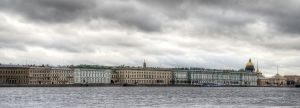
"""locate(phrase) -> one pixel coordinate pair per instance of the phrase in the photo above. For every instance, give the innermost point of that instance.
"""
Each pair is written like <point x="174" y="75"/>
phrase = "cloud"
<point x="55" y="11"/>
<point x="282" y="15"/>
<point x="67" y="11"/>
<point x="198" y="33"/>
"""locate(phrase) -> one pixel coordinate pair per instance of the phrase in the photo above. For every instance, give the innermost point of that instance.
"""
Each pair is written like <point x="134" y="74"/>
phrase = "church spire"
<point x="257" y="67"/>
<point x="277" y="69"/>
<point x="144" y="64"/>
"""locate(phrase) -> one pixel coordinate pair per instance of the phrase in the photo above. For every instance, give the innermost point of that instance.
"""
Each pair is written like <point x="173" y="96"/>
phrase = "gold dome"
<point x="250" y="66"/>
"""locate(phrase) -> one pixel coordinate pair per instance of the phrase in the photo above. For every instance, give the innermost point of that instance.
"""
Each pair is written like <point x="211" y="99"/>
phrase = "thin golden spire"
<point x="277" y="68"/>
<point x="257" y="67"/>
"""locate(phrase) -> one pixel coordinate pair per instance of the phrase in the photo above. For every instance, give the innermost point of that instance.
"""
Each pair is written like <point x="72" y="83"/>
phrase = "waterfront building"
<point x="277" y="80"/>
<point x="39" y="75"/>
<point x="92" y="76"/>
<point x="143" y="76"/>
<point x="13" y="74"/>
<point x="114" y="77"/>
<point x="61" y="75"/>
<point x="292" y="80"/>
<point x="181" y="76"/>
<point x="261" y="80"/>
<point x="200" y="76"/>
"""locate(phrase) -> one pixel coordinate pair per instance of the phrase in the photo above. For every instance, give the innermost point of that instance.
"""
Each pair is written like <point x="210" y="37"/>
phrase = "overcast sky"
<point x="220" y="34"/>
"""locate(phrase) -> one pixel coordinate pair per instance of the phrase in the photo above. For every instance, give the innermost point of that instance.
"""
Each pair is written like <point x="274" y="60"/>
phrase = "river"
<point x="95" y="97"/>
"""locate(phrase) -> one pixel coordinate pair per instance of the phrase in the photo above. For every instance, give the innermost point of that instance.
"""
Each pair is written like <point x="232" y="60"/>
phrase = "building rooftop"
<point x="141" y="68"/>
<point x="13" y="66"/>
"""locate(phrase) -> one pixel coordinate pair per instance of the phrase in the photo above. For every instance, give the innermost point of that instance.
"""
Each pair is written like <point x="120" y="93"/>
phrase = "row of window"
<point x="39" y="71"/>
<point x="18" y="77"/>
<point x="62" y="75"/>
<point x="92" y="80"/>
<point x="97" y="71"/>
<point x="142" y="76"/>
<point x="13" y="72"/>
<point x="143" y="81"/>
<point x="143" y="72"/>
<point x="93" y="74"/>
<point x="13" y="81"/>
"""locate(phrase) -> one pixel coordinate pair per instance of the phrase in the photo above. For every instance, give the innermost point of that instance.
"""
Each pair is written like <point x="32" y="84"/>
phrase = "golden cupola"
<point x="249" y="66"/>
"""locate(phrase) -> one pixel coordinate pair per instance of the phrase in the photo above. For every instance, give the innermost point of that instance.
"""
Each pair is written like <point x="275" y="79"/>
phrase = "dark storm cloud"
<point x="283" y="15"/>
<point x="226" y="17"/>
<point x="129" y="15"/>
<point x="54" y="11"/>
<point x="184" y="32"/>
<point x="173" y="9"/>
<point x="66" y="11"/>
<point x="282" y="45"/>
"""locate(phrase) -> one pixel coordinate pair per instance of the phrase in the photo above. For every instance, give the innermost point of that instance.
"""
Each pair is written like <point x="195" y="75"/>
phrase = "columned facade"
<point x="92" y="76"/>
<point x="277" y="80"/>
<point x="200" y="76"/>
<point x="62" y="75"/>
<point x="13" y="74"/>
<point x="181" y="76"/>
<point x="39" y="75"/>
<point x="143" y="76"/>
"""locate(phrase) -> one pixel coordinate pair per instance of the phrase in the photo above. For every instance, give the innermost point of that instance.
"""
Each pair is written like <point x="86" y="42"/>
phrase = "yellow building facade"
<point x="39" y="75"/>
<point x="263" y="82"/>
<point x="142" y="76"/>
<point x="61" y="75"/>
<point x="277" y="80"/>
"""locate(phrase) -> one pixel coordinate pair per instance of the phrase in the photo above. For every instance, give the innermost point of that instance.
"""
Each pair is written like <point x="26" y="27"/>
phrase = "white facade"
<point x="200" y="76"/>
<point x="180" y="77"/>
<point x="94" y="76"/>
<point x="249" y="79"/>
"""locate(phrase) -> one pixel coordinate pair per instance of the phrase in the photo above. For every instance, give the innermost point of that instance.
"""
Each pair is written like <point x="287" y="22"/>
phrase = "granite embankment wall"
<point x="108" y="85"/>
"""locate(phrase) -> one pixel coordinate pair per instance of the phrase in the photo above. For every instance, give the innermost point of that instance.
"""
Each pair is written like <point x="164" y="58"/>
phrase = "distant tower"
<point x="257" y="69"/>
<point x="258" y="73"/>
<point x="277" y="70"/>
<point x="144" y="64"/>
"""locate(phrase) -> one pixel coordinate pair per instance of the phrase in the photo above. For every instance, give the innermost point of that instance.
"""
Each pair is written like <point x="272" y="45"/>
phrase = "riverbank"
<point x="115" y="85"/>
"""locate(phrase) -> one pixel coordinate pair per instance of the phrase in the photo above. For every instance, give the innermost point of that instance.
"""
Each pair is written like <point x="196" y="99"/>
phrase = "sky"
<point x="220" y="34"/>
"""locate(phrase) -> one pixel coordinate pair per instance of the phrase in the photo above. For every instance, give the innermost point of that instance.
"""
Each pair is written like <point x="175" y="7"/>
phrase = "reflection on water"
<point x="78" y="97"/>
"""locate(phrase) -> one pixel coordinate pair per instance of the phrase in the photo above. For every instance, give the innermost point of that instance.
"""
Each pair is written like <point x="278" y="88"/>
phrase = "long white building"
<point x="201" y="76"/>
<point x="92" y="76"/>
<point x="223" y="77"/>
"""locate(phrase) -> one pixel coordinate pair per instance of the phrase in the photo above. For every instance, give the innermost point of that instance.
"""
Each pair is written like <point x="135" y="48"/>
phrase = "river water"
<point x="95" y="97"/>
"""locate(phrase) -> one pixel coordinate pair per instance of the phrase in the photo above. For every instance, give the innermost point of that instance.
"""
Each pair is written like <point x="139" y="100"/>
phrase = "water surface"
<point x="95" y="97"/>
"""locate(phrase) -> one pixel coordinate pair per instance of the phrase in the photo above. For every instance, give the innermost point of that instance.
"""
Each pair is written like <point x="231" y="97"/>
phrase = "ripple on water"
<point x="78" y="97"/>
